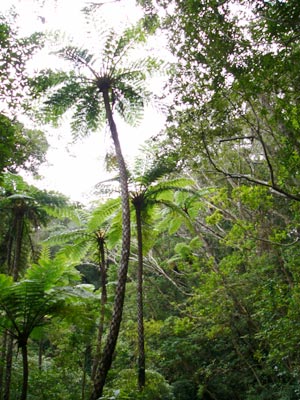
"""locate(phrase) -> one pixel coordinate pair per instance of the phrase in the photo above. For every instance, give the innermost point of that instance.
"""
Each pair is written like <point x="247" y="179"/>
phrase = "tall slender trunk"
<point x="40" y="358"/>
<point x="8" y="367"/>
<point x="102" y="264"/>
<point x="14" y="268"/>
<point x="140" y="306"/>
<point x="2" y="361"/>
<point x="25" y="370"/>
<point x="83" y="384"/>
<point x="87" y="355"/>
<point x="16" y="256"/>
<point x="114" y="328"/>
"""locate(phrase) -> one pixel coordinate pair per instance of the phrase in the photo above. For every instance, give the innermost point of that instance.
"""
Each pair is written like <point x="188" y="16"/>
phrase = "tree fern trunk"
<point x="2" y="362"/>
<point x="87" y="355"/>
<point x="40" y="358"/>
<point x="112" y="337"/>
<point x="8" y="368"/>
<point x="25" y="370"/>
<point x="15" y="267"/>
<point x="102" y="264"/>
<point x="140" y="306"/>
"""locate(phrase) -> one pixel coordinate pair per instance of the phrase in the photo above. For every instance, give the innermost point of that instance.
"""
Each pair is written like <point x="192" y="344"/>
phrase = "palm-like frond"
<point x="63" y="98"/>
<point x="113" y="49"/>
<point x="130" y="92"/>
<point x="171" y="186"/>
<point x="78" y="56"/>
<point x="174" y="217"/>
<point x="63" y="212"/>
<point x="47" y="79"/>
<point x="149" y="169"/>
<point x="78" y="250"/>
<point x="115" y="231"/>
<point x="80" y="96"/>
<point x="52" y="272"/>
<point x="154" y="194"/>
<point x="129" y="104"/>
<point x="109" y="217"/>
<point x="133" y="73"/>
<point x="117" y="46"/>
<point x="5" y="282"/>
<point x="103" y="214"/>
<point x="89" y="114"/>
<point x="74" y="244"/>
<point x="66" y="237"/>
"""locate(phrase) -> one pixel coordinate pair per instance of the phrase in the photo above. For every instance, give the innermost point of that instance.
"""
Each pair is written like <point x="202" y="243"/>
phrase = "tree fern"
<point x="94" y="91"/>
<point x="33" y="301"/>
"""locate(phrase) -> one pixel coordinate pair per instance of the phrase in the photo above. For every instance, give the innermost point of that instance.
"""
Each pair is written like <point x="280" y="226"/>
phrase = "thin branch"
<point x="273" y="187"/>
<point x="263" y="145"/>
<point x="155" y="264"/>
<point x="96" y="4"/>
<point x="237" y="138"/>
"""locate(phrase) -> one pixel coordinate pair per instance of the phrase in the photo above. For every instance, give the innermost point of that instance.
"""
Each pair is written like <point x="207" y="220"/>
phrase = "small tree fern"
<point x="33" y="301"/>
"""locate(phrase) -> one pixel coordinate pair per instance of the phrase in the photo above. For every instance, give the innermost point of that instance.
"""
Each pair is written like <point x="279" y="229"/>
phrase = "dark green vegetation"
<point x="212" y="211"/>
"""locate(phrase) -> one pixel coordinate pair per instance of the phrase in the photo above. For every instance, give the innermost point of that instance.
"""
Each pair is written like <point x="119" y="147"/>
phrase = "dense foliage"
<point x="20" y="147"/>
<point x="211" y="310"/>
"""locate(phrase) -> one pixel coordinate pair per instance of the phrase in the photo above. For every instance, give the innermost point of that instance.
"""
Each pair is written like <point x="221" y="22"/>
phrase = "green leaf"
<point x="174" y="225"/>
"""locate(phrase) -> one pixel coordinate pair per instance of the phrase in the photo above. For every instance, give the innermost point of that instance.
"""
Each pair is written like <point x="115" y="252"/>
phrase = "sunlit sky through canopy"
<point x="74" y="169"/>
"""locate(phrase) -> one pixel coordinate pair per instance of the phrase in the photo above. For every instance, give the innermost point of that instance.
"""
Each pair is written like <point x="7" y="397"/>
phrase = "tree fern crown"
<point x="88" y="76"/>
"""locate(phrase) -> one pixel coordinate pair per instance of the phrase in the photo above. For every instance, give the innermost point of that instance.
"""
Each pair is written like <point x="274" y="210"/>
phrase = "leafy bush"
<point x="55" y="384"/>
<point x="124" y="387"/>
<point x="184" y="390"/>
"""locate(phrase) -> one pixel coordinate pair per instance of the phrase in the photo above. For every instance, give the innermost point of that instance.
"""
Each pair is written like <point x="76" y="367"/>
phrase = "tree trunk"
<point x="140" y="307"/>
<point x="87" y="355"/>
<point x="112" y="337"/>
<point x="19" y="225"/>
<point x="14" y="268"/>
<point x="2" y="361"/>
<point x="40" y="359"/>
<point x="8" y="366"/>
<point x="25" y="370"/>
<point x="102" y="264"/>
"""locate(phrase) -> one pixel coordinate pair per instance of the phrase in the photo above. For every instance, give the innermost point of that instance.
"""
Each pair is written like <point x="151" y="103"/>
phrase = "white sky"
<point x="74" y="169"/>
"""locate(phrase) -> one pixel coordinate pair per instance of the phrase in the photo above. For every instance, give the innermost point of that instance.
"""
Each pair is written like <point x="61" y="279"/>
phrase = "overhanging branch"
<point x="272" y="186"/>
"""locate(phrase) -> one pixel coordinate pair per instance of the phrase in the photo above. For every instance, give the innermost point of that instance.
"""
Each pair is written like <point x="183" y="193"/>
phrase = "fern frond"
<point x="115" y="232"/>
<point x="61" y="212"/>
<point x="103" y="213"/>
<point x="5" y="282"/>
<point x="167" y="189"/>
<point x="89" y="113"/>
<point x="117" y="46"/>
<point x="52" y="272"/>
<point x="45" y="80"/>
<point x="67" y="237"/>
<point x="175" y="216"/>
<point x="75" y="251"/>
<point x="78" y="56"/>
<point x="62" y="99"/>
